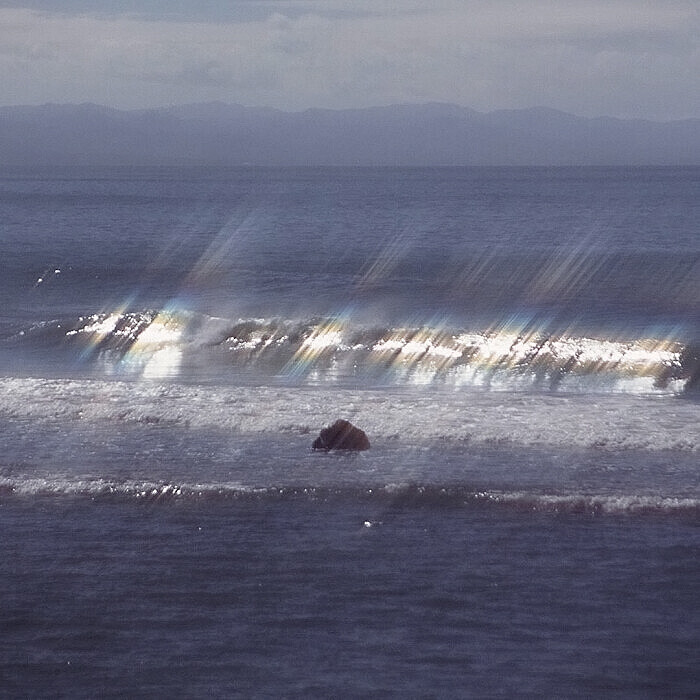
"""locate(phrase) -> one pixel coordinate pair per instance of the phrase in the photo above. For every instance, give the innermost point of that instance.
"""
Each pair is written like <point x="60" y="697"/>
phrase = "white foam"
<point x="82" y="486"/>
<point x="99" y="326"/>
<point x="612" y="504"/>
<point x="153" y="492"/>
<point x="609" y="421"/>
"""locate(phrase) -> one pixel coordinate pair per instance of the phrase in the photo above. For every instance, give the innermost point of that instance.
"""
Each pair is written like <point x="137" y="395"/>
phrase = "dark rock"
<point x="342" y="435"/>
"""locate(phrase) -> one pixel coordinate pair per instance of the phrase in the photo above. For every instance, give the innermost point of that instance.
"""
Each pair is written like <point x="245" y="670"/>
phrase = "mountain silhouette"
<point x="418" y="135"/>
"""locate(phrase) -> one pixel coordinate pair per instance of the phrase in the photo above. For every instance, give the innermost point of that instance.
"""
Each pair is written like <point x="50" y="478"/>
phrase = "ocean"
<point x="521" y="347"/>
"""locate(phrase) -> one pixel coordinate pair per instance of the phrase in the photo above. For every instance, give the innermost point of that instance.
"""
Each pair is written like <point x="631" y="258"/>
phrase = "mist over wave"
<point x="177" y="343"/>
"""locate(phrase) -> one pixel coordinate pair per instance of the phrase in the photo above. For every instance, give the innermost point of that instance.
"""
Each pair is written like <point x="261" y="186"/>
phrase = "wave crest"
<point x="170" y="343"/>
<point x="392" y="495"/>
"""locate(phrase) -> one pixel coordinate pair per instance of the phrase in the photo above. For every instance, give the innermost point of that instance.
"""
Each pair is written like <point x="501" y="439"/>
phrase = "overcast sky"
<point x="624" y="58"/>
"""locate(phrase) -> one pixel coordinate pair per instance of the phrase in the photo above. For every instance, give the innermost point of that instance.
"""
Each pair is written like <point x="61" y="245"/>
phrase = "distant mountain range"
<point x="427" y="134"/>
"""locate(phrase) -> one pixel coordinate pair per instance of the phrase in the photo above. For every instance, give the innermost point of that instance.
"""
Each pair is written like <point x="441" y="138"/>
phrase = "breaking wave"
<point x="175" y="343"/>
<point x="407" y="495"/>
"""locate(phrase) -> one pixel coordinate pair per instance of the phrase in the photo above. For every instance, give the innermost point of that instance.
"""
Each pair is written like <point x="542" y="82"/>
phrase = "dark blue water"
<point x="571" y="244"/>
<point x="291" y="598"/>
<point x="521" y="347"/>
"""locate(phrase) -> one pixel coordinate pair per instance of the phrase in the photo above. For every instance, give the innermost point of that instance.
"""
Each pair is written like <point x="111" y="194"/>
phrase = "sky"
<point x="621" y="58"/>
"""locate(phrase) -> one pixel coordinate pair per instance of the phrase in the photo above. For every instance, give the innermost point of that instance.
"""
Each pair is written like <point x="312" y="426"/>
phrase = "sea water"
<point x="521" y="346"/>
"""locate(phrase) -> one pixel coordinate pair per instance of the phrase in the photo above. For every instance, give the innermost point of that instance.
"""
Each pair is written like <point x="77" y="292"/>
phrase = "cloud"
<point x="619" y="57"/>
